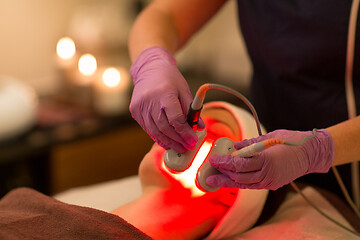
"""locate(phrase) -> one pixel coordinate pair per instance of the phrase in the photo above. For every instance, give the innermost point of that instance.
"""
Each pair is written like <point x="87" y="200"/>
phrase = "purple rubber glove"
<point x="276" y="166"/>
<point x="161" y="99"/>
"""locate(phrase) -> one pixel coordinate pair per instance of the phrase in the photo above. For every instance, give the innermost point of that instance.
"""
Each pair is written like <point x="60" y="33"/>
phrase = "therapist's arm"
<point x="170" y="24"/>
<point x="346" y="136"/>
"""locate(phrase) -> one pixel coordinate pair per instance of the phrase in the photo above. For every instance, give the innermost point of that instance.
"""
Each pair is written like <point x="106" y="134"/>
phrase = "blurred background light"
<point x="87" y="64"/>
<point x="65" y="48"/>
<point x="111" y="77"/>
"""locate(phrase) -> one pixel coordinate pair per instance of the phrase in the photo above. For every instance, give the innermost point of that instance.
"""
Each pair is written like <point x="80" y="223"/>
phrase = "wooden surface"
<point x="106" y="157"/>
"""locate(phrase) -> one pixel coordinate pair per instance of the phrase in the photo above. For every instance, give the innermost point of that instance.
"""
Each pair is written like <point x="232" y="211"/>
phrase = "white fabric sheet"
<point x="103" y="196"/>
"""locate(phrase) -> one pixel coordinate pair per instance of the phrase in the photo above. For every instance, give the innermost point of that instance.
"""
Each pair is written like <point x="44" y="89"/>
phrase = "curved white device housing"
<point x="222" y="146"/>
<point x="180" y="162"/>
<point x="176" y="162"/>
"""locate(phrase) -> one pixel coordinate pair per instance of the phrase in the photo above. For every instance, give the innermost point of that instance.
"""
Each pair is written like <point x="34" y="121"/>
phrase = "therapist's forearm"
<point x="170" y="24"/>
<point x="153" y="27"/>
<point x="346" y="136"/>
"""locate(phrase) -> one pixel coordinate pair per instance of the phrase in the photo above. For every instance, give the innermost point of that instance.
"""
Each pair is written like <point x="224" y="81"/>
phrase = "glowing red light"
<point x="187" y="177"/>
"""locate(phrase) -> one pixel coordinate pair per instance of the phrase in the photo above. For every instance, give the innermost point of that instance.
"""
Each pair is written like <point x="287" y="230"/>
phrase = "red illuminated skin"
<point x="166" y="210"/>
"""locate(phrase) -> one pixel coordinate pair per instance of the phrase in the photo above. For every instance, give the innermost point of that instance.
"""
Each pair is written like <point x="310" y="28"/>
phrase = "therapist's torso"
<point x="298" y="51"/>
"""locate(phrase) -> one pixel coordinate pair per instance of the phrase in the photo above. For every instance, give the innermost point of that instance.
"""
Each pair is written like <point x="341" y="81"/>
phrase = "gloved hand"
<point x="161" y="99"/>
<point x="277" y="165"/>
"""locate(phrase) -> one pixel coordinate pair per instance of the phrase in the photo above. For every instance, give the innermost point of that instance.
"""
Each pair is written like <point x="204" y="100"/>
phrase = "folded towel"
<point x="27" y="214"/>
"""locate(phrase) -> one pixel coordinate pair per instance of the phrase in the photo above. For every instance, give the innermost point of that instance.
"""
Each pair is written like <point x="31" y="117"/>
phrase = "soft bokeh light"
<point x="111" y="96"/>
<point x="87" y="64"/>
<point x="111" y="77"/>
<point x="65" y="48"/>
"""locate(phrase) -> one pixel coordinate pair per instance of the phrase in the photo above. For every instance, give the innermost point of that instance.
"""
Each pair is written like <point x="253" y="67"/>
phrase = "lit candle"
<point x="87" y="66"/>
<point x="66" y="50"/>
<point x="111" y="91"/>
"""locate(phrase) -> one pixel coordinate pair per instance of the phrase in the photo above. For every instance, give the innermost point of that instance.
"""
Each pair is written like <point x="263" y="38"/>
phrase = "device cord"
<point x="257" y="121"/>
<point x="349" y="89"/>
<point x="321" y="212"/>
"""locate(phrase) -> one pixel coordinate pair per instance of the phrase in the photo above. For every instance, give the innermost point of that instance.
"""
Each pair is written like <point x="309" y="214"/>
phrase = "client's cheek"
<point x="152" y="173"/>
<point x="208" y="209"/>
<point x="226" y="196"/>
<point x="211" y="205"/>
<point x="214" y="205"/>
<point x="195" y="214"/>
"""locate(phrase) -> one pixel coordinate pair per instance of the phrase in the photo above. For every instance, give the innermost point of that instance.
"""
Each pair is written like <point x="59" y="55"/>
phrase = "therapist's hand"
<point x="277" y="165"/>
<point x="161" y="99"/>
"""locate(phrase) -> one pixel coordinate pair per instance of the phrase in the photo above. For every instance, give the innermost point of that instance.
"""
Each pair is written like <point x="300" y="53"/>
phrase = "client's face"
<point x="196" y="212"/>
<point x="152" y="171"/>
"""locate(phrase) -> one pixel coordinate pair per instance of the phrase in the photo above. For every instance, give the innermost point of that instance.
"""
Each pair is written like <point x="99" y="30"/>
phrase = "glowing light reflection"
<point x="187" y="178"/>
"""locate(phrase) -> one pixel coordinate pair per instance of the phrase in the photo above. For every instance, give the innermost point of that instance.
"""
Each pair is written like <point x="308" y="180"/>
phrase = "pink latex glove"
<point x="161" y="99"/>
<point x="276" y="166"/>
